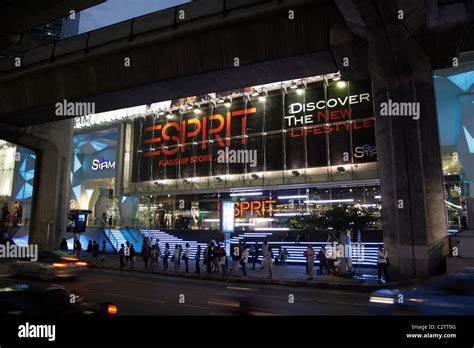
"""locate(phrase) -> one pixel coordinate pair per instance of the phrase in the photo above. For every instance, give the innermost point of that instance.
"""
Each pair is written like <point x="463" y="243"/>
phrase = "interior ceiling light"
<point x="197" y="109"/>
<point x="341" y="84"/>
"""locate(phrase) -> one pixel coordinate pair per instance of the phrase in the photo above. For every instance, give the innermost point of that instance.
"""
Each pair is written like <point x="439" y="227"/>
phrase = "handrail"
<point x="110" y="236"/>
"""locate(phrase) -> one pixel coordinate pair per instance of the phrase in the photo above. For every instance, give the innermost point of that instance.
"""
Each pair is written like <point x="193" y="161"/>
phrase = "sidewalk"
<point x="289" y="275"/>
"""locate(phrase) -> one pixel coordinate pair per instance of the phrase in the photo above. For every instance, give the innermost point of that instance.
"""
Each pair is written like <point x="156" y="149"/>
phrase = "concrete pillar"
<point x="409" y="158"/>
<point x="52" y="143"/>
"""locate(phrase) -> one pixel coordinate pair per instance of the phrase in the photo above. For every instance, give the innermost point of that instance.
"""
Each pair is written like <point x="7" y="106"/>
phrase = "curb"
<point x="359" y="286"/>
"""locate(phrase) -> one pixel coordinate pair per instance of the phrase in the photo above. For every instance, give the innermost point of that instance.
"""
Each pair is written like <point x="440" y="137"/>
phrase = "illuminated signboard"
<point x="322" y="125"/>
<point x="101" y="164"/>
<point x="227" y="222"/>
<point x="258" y="208"/>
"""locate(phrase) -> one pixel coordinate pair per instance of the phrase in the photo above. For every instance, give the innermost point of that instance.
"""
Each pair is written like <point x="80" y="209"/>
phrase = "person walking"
<point x="186" y="257"/>
<point x="208" y="258"/>
<point x="310" y="261"/>
<point x="244" y="259"/>
<point x="255" y="251"/>
<point x="236" y="256"/>
<point x="103" y="251"/>
<point x="382" y="263"/>
<point x="133" y="257"/>
<point x="166" y="255"/>
<point x="323" y="261"/>
<point x="198" y="259"/>
<point x="180" y="253"/>
<point x="158" y="254"/>
<point x="145" y="254"/>
<point x="103" y="220"/>
<point x="269" y="262"/>
<point x="216" y="251"/>
<point x="89" y="250"/>
<point x="127" y="252"/>
<point x="95" y="252"/>
<point x="222" y="260"/>
<point x="121" y="254"/>
<point x="77" y="248"/>
<point x="176" y="258"/>
<point x="110" y="222"/>
<point x="63" y="245"/>
<point x="152" y="258"/>
<point x="264" y="250"/>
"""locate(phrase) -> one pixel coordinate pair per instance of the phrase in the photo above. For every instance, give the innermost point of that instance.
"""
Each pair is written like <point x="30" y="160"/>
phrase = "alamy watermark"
<point x="28" y="330"/>
<point x="12" y="251"/>
<point x="66" y="108"/>
<point x="237" y="156"/>
<point x="405" y="109"/>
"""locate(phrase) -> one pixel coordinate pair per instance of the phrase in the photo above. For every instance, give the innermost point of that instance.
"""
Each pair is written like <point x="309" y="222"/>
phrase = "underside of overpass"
<point x="171" y="57"/>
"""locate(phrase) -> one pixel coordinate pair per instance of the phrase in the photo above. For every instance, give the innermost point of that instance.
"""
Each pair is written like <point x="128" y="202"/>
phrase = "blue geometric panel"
<point x="469" y="140"/>
<point x="77" y="164"/>
<point x="77" y="192"/>
<point x="25" y="192"/>
<point x="29" y="175"/>
<point x="464" y="80"/>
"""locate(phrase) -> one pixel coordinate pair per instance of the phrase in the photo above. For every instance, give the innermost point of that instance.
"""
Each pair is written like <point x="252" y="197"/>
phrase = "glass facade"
<point x="254" y="210"/>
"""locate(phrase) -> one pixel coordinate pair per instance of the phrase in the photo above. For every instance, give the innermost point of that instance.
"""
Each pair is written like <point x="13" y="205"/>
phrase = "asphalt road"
<point x="143" y="294"/>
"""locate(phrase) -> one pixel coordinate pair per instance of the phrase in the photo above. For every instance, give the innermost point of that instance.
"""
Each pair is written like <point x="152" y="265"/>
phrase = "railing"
<point x="111" y="238"/>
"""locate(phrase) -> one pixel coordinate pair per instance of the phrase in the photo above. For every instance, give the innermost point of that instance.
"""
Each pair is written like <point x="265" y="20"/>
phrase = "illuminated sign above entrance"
<point x="254" y="207"/>
<point x="102" y="164"/>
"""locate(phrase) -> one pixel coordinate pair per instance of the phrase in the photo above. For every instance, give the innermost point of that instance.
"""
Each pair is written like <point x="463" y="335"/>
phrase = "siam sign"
<point x="323" y="126"/>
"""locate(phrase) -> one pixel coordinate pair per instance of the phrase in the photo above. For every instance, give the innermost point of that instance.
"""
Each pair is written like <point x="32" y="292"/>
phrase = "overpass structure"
<point x="217" y="45"/>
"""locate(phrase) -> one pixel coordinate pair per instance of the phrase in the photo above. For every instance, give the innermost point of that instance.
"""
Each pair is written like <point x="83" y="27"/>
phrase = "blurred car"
<point x="444" y="295"/>
<point x="50" y="265"/>
<point x="47" y="300"/>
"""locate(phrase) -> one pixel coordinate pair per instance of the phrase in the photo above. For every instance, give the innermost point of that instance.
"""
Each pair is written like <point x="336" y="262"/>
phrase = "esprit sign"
<point x="254" y="207"/>
<point x="102" y="164"/>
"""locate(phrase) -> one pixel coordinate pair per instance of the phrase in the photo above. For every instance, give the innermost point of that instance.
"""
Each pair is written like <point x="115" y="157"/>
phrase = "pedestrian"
<point x="269" y="262"/>
<point x="463" y="216"/>
<point x="222" y="260"/>
<point x="127" y="252"/>
<point x="110" y="222"/>
<point x="166" y="255"/>
<point x="152" y="258"/>
<point x="133" y="257"/>
<point x="208" y="258"/>
<point x="176" y="258"/>
<point x="216" y="251"/>
<point x="63" y="245"/>
<point x="244" y="259"/>
<point x="236" y="256"/>
<point x="180" y="252"/>
<point x="186" y="256"/>
<point x="77" y="248"/>
<point x="121" y="254"/>
<point x="158" y="254"/>
<point x="198" y="259"/>
<point x="95" y="252"/>
<point x="5" y="215"/>
<point x="103" y="220"/>
<point x="89" y="250"/>
<point x="323" y="261"/>
<point x="145" y="254"/>
<point x="310" y="260"/>
<point x="255" y="255"/>
<point x="103" y="251"/>
<point x="264" y="250"/>
<point x="382" y="263"/>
